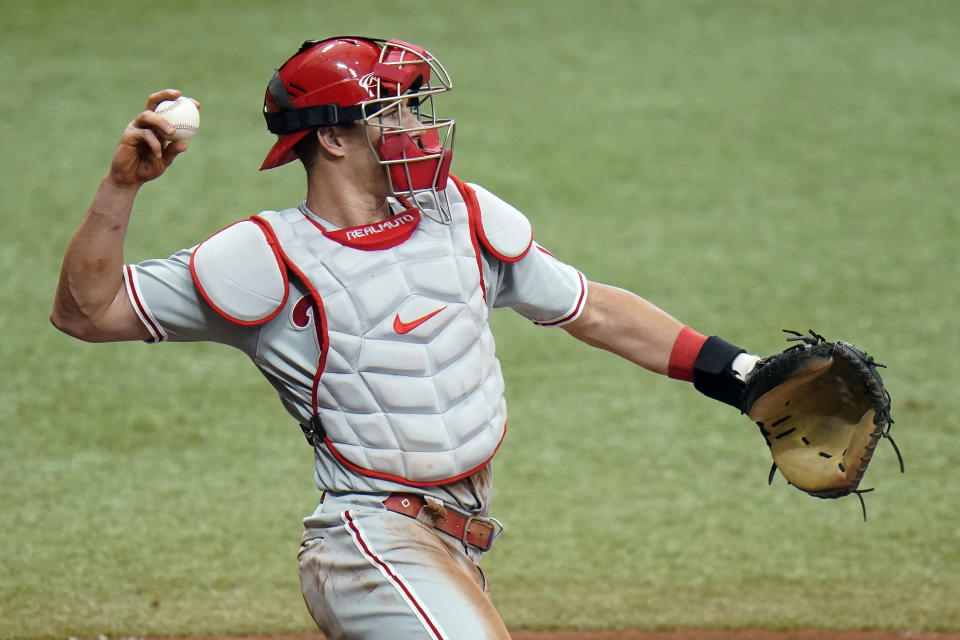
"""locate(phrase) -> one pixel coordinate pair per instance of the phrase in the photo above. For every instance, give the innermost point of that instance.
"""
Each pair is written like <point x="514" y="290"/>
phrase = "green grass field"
<point x="747" y="165"/>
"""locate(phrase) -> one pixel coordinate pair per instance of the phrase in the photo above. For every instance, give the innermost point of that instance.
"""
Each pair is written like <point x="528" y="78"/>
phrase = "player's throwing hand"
<point x="143" y="154"/>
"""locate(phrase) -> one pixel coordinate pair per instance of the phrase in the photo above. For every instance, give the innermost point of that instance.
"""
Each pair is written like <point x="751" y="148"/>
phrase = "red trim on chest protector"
<point x="274" y="246"/>
<point x="473" y="215"/>
<point x="476" y="223"/>
<point x="324" y="346"/>
<point x="321" y="318"/>
<point x="375" y="237"/>
<point x="400" y="479"/>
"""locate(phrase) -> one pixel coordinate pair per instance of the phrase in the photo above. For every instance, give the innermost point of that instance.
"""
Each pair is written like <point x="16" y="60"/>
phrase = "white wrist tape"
<point x="744" y="364"/>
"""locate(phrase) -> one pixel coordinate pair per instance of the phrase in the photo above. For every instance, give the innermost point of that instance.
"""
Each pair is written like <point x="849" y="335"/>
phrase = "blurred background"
<point x="749" y="166"/>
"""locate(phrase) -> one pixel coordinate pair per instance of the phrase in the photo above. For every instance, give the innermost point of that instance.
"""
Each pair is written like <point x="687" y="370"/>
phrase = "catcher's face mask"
<point x="389" y="86"/>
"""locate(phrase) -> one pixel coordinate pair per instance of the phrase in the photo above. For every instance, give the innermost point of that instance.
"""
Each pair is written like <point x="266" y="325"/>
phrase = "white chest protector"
<point x="408" y="387"/>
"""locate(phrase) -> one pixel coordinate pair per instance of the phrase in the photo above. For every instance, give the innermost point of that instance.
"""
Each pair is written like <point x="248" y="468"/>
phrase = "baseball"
<point x="183" y="114"/>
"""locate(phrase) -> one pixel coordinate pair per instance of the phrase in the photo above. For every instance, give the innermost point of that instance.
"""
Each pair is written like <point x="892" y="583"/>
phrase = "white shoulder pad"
<point x="240" y="275"/>
<point x="503" y="230"/>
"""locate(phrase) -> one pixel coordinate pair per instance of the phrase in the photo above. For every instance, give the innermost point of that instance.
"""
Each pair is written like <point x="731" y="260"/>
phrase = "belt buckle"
<point x="496" y="528"/>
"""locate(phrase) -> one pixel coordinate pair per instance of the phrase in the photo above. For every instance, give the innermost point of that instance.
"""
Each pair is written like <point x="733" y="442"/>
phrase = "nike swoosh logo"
<point x="406" y="327"/>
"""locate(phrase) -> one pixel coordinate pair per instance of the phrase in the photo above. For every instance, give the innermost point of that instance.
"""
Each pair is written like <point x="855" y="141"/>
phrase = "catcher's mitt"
<point x="822" y="408"/>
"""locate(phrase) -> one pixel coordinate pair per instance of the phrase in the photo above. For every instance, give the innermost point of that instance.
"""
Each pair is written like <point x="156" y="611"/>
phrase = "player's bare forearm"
<point x="625" y="324"/>
<point x="90" y="299"/>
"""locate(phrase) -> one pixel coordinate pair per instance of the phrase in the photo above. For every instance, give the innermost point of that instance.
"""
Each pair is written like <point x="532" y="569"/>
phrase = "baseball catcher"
<point x="822" y="407"/>
<point x="366" y="303"/>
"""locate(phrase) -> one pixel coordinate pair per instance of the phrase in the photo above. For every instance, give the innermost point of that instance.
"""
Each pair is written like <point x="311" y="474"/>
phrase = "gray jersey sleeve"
<point x="164" y="296"/>
<point x="539" y="287"/>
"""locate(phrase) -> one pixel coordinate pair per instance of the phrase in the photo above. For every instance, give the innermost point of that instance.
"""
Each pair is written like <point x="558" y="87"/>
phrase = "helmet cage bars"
<point x="403" y="130"/>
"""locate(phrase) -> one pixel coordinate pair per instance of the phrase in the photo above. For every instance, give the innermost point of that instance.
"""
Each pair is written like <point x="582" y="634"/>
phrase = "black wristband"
<point x="713" y="375"/>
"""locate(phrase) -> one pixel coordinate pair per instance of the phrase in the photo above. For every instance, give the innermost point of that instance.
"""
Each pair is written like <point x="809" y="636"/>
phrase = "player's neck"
<point x="345" y="204"/>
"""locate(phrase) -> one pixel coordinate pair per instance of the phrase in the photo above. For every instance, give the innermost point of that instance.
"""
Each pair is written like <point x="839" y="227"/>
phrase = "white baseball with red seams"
<point x="183" y="114"/>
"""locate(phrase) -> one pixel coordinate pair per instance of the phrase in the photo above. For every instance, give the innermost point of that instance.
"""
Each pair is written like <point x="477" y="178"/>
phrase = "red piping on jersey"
<point x="473" y="215"/>
<point x="151" y="326"/>
<point x="576" y="309"/>
<point x="413" y="483"/>
<point x="426" y="619"/>
<point x="247" y="323"/>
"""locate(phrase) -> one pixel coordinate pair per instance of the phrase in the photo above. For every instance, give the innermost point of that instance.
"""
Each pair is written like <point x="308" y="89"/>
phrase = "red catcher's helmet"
<point x="347" y="79"/>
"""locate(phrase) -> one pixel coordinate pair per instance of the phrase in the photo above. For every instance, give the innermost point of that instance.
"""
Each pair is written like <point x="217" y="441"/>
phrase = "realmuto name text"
<point x="380" y="227"/>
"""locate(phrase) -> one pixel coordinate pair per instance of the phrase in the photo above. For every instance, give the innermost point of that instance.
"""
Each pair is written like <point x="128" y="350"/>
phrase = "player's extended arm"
<point x="625" y="324"/>
<point x="91" y="302"/>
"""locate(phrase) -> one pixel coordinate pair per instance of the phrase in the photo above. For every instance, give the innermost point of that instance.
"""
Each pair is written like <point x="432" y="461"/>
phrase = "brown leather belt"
<point x="471" y="530"/>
